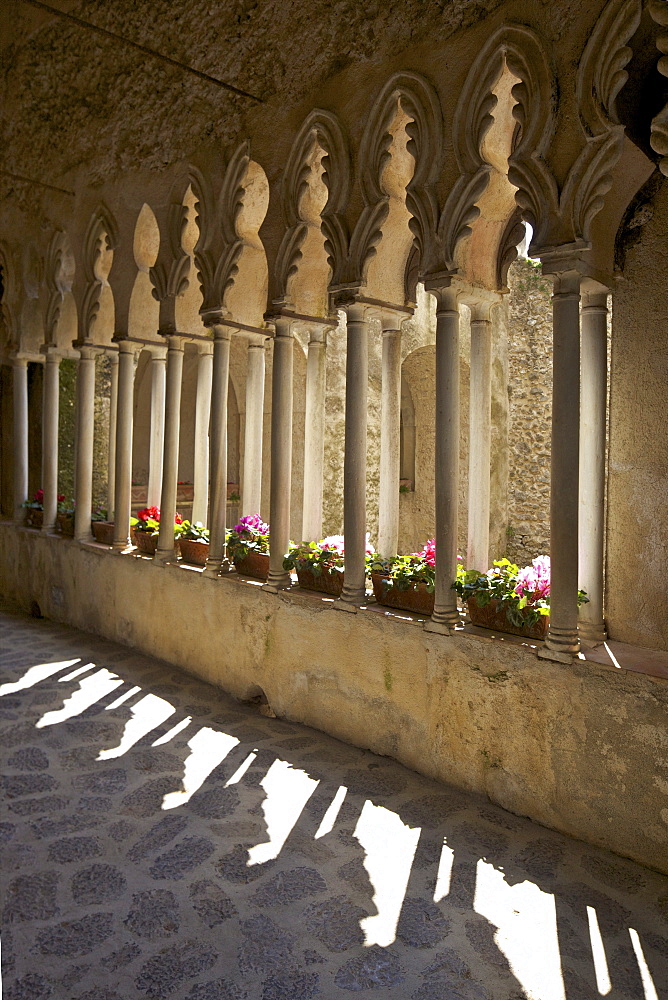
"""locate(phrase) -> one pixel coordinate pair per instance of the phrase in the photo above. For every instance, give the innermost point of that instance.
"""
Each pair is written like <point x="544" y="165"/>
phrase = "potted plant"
<point x="102" y="527"/>
<point x="65" y="517"/>
<point x="35" y="510"/>
<point x="194" y="543"/>
<point x="405" y="582"/>
<point x="509" y="599"/>
<point x="248" y="547"/>
<point x="147" y="529"/>
<point x="319" y="565"/>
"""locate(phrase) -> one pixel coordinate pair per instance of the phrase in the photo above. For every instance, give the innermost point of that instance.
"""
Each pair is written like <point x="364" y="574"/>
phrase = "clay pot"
<point x="194" y="552"/>
<point x="417" y="598"/>
<point x="493" y="617"/>
<point x="255" y="564"/>
<point x="103" y="532"/>
<point x="34" y="518"/>
<point x="329" y="582"/>
<point x="65" y="524"/>
<point x="146" y="543"/>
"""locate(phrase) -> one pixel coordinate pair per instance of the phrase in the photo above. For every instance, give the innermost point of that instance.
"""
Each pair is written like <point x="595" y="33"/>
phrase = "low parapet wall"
<point x="579" y="747"/>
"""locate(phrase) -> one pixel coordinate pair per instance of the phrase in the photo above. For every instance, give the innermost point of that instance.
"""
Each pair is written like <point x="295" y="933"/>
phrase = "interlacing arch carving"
<point x="520" y="49"/>
<point x="323" y="129"/>
<point x="219" y="247"/>
<point x="169" y="274"/>
<point x="55" y="286"/>
<point x="101" y="235"/>
<point x="659" y="134"/>
<point x="415" y="96"/>
<point x="601" y="75"/>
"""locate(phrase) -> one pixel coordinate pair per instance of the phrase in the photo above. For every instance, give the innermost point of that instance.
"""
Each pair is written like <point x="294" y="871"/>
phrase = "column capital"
<point x="175" y="342"/>
<point x="595" y="302"/>
<point x="205" y="348"/>
<point x="87" y="353"/>
<point x="221" y="331"/>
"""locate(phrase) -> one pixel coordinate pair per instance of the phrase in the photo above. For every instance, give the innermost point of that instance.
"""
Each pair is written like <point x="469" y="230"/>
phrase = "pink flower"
<point x="533" y="582"/>
<point x="252" y="523"/>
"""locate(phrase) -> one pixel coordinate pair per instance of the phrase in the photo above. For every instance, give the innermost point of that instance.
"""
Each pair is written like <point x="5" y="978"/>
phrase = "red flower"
<point x="149" y="513"/>
<point x="178" y="519"/>
<point x="39" y="497"/>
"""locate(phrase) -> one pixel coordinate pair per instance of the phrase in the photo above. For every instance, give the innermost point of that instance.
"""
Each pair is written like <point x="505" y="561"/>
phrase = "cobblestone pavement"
<point x="159" y="840"/>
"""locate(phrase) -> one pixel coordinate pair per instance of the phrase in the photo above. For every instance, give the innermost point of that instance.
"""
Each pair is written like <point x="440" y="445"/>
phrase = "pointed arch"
<point x="102" y="235"/>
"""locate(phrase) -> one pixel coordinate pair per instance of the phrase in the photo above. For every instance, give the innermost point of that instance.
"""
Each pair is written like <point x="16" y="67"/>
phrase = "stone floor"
<point x="162" y="841"/>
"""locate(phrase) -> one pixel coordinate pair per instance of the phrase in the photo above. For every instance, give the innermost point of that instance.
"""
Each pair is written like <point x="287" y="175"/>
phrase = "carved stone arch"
<point x="659" y="131"/>
<point x="512" y="236"/>
<point x="602" y="72"/>
<point x="323" y="128"/>
<point x="169" y="274"/>
<point x="417" y="98"/>
<point x="520" y="48"/>
<point x="102" y="227"/>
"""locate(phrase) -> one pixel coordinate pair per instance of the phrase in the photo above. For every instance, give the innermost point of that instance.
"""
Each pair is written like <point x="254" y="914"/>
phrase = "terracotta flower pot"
<point x="255" y="564"/>
<point x="34" y="518"/>
<point x="493" y="617"/>
<point x="194" y="552"/>
<point x="329" y="582"/>
<point x="103" y="532"/>
<point x="417" y="598"/>
<point x="146" y="543"/>
<point x="65" y="524"/>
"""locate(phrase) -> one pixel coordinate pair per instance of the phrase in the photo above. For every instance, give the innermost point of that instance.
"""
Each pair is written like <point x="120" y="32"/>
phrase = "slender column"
<point x="219" y="387"/>
<point x="202" y="418"/>
<point x="480" y="438"/>
<point x="593" y="406"/>
<point x="281" y="455"/>
<point x="390" y="441"/>
<point x="124" y="426"/>
<point x="446" y="615"/>
<point x="157" y="438"/>
<point x="83" y="472"/>
<point x="170" y="467"/>
<point x="113" y="410"/>
<point x="252" y="485"/>
<point x="50" y="438"/>
<point x="20" y="394"/>
<point x="314" y="437"/>
<point x="563" y="634"/>
<point x="354" y="460"/>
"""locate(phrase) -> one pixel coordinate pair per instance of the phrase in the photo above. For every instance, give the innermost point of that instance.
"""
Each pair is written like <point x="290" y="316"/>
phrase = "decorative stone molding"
<point x="169" y="274"/>
<point x="512" y="237"/>
<point x="58" y="281"/>
<point x="321" y="128"/>
<point x="8" y="303"/>
<point x="217" y="257"/>
<point x="102" y="233"/>
<point x="416" y="97"/>
<point x="521" y="50"/>
<point x="659" y="135"/>
<point x="602" y="73"/>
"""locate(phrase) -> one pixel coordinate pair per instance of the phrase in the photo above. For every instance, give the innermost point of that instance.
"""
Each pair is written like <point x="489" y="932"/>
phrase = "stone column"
<point x="20" y="404"/>
<point x="480" y="438"/>
<point x="202" y="419"/>
<point x="170" y="466"/>
<point x="251" y="490"/>
<point x="593" y="409"/>
<point x="218" y="502"/>
<point x="50" y="401"/>
<point x="281" y="454"/>
<point x="314" y="437"/>
<point x="354" y="460"/>
<point x="446" y="457"/>
<point x="83" y="470"/>
<point x="111" y="458"/>
<point x="390" y="438"/>
<point x="562" y="638"/>
<point x="157" y="436"/>
<point x="124" y="426"/>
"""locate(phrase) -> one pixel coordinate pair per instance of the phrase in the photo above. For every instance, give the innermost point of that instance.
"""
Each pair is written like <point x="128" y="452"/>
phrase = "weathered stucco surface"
<point x="637" y="541"/>
<point x="579" y="748"/>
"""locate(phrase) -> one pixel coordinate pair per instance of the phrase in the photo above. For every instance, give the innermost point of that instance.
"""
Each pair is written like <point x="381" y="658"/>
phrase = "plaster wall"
<point x="574" y="747"/>
<point x="637" y="530"/>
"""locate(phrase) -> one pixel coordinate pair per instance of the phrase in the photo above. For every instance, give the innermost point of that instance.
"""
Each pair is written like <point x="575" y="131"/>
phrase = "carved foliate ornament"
<point x="416" y="97"/>
<point x="659" y="134"/>
<point x="321" y="128"/>
<point x="101" y="235"/>
<point x="169" y="274"/>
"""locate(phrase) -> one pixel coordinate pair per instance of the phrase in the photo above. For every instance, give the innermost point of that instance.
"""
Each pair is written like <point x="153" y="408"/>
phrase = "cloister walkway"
<point x="160" y="840"/>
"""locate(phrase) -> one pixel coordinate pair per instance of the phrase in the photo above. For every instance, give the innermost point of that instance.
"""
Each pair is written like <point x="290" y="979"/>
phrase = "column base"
<point x="443" y="621"/>
<point x="276" y="582"/>
<point x="440" y="628"/>
<point x="563" y="641"/>
<point x="162" y="558"/>
<point x="555" y="655"/>
<point x="119" y="548"/>
<point x="591" y="634"/>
